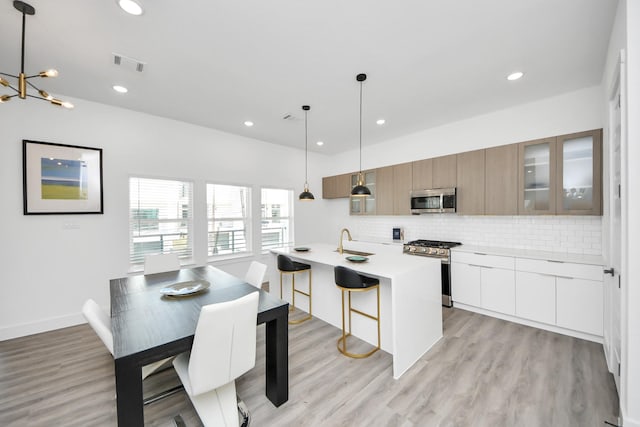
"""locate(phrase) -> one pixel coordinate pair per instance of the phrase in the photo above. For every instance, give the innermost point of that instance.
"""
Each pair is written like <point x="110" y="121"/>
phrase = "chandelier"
<point x="23" y="80"/>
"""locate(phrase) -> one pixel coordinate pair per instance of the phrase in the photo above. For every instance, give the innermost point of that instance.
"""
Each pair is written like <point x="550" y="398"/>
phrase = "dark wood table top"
<point x="143" y="319"/>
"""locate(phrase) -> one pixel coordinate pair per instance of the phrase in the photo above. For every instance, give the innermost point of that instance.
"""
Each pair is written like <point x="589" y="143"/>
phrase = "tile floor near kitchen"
<point x="484" y="372"/>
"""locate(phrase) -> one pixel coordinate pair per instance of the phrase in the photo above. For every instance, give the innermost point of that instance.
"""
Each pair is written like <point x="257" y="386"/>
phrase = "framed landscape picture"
<point x="61" y="179"/>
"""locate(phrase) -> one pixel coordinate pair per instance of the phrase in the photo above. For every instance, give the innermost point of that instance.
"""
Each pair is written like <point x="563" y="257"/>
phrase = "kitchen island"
<point x="410" y="296"/>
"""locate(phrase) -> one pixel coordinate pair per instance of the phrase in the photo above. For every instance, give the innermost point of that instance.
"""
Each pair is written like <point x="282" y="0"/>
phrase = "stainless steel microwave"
<point x="437" y="200"/>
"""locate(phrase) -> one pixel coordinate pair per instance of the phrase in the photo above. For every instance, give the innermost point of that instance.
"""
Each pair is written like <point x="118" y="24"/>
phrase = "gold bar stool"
<point x="287" y="266"/>
<point x="350" y="281"/>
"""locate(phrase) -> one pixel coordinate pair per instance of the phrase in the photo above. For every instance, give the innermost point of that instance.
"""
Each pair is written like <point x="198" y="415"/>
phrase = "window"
<point x="277" y="218"/>
<point x="229" y="219"/>
<point x="160" y="218"/>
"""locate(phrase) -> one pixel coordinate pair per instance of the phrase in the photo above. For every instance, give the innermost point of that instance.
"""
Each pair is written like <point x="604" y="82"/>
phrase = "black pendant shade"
<point x="306" y="195"/>
<point x="360" y="189"/>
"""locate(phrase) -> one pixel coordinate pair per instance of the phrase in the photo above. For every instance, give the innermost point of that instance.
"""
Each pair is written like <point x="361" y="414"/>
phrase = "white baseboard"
<point x="50" y="324"/>
<point x="628" y="422"/>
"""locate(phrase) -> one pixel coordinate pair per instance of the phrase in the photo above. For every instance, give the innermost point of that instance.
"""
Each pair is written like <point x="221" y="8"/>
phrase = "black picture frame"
<point x="61" y="179"/>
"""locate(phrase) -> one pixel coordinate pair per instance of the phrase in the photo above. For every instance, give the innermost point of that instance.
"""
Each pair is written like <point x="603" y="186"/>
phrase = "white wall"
<point x="562" y="114"/>
<point x="49" y="271"/>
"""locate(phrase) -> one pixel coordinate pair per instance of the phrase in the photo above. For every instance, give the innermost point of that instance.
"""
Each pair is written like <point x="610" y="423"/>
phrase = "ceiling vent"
<point x="128" y="63"/>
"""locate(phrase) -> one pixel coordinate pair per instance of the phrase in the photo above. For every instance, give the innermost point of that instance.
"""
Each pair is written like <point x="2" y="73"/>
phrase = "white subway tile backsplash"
<point x="571" y="234"/>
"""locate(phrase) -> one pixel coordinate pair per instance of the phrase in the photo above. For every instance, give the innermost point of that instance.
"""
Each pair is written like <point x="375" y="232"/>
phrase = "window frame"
<point x="248" y="222"/>
<point x="186" y="256"/>
<point x="290" y="220"/>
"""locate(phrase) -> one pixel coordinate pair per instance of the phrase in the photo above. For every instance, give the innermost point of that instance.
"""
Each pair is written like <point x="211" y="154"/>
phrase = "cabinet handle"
<point x="480" y="266"/>
<point x="478" y="253"/>
<point x="564" y="277"/>
<point x="553" y="260"/>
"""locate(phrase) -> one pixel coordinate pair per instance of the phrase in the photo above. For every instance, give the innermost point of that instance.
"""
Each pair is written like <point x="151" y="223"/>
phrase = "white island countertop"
<point x="410" y="295"/>
<point x="387" y="260"/>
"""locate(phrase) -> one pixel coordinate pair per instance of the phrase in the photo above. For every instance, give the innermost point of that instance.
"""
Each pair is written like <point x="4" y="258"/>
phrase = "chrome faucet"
<point x="340" y="248"/>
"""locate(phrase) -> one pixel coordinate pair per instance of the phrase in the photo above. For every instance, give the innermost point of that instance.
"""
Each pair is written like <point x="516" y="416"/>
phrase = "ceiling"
<point x="219" y="63"/>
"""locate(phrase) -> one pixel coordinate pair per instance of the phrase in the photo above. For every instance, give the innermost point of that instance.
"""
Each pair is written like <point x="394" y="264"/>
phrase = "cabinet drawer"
<point x="567" y="269"/>
<point x="484" y="260"/>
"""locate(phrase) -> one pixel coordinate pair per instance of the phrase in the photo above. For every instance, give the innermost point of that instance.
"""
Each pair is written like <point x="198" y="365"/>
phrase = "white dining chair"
<point x="224" y="347"/>
<point x="255" y="274"/>
<point x="101" y="324"/>
<point x="160" y="263"/>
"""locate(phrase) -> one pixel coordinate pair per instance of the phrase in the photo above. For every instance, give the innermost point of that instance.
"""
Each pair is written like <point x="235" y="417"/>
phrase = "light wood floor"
<point x="485" y="372"/>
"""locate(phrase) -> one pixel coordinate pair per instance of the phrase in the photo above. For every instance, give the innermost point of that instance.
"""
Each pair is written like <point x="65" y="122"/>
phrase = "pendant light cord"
<point x="360" y="127"/>
<point x="306" y="155"/>
<point x="22" y="57"/>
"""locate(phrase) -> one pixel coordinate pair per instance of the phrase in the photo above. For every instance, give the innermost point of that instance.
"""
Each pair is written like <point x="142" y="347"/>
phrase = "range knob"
<point x="412" y="249"/>
<point x="441" y="251"/>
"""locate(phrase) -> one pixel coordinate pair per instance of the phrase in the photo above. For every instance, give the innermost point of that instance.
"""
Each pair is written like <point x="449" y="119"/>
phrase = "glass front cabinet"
<point x="561" y="175"/>
<point x="364" y="205"/>
<point x="579" y="173"/>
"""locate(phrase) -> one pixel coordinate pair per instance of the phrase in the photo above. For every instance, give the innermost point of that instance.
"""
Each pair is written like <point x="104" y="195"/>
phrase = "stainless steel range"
<point x="436" y="249"/>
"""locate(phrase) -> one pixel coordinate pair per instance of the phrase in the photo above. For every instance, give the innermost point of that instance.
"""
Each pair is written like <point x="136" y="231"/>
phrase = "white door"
<point x="612" y="330"/>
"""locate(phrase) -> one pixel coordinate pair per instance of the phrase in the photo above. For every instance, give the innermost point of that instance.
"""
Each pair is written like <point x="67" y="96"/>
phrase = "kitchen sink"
<point x="351" y="252"/>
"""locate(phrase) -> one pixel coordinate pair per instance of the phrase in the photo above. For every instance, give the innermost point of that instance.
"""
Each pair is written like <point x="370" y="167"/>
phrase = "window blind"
<point x="229" y="219"/>
<point x="160" y="218"/>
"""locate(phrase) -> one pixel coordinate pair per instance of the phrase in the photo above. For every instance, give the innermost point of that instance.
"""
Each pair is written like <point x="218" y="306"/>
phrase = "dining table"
<point x="149" y="326"/>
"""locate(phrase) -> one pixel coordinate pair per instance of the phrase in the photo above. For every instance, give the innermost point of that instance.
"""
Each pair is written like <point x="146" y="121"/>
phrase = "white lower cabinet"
<point x="536" y="297"/>
<point x="485" y="281"/>
<point x="550" y="292"/>
<point x="465" y="286"/>
<point x="498" y="290"/>
<point x="579" y="305"/>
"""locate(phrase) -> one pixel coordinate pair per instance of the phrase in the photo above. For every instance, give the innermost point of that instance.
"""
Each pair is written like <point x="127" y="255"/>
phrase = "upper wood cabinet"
<point x="393" y="185"/>
<point x="579" y="173"/>
<point x="470" y="183"/>
<point x="444" y="171"/>
<point x="561" y="175"/>
<point x="422" y="171"/>
<point x="537" y="177"/>
<point x="384" y="187"/>
<point x="402" y="183"/>
<point x="336" y="186"/>
<point x="501" y="180"/>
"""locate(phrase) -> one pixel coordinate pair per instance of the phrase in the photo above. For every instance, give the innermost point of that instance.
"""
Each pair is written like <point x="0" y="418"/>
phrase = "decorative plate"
<point x="301" y="249"/>
<point x="182" y="289"/>
<point x="357" y="258"/>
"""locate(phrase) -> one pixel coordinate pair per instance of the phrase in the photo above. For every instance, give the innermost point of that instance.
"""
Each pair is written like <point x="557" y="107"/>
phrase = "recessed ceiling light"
<point x="515" y="76"/>
<point x="130" y="7"/>
<point x="319" y="143"/>
<point x="120" y="89"/>
<point x="380" y="121"/>
<point x="248" y="123"/>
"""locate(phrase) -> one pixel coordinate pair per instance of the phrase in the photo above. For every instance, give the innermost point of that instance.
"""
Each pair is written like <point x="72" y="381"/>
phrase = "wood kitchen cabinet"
<point x="384" y="188"/>
<point x="501" y="180"/>
<point x="364" y="205"/>
<point x="537" y="165"/>
<point x="393" y="186"/>
<point x="337" y="186"/>
<point x="422" y="172"/>
<point x="561" y="175"/>
<point x="470" y="182"/>
<point x="402" y="184"/>
<point x="579" y="173"/>
<point x="444" y="171"/>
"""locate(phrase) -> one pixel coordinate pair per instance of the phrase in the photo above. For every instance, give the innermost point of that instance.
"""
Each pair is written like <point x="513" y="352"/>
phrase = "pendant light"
<point x="306" y="194"/>
<point x="360" y="189"/>
<point x="23" y="80"/>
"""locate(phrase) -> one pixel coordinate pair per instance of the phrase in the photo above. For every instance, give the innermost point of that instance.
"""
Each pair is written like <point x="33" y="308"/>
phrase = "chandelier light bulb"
<point x="68" y="105"/>
<point x="49" y="73"/>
